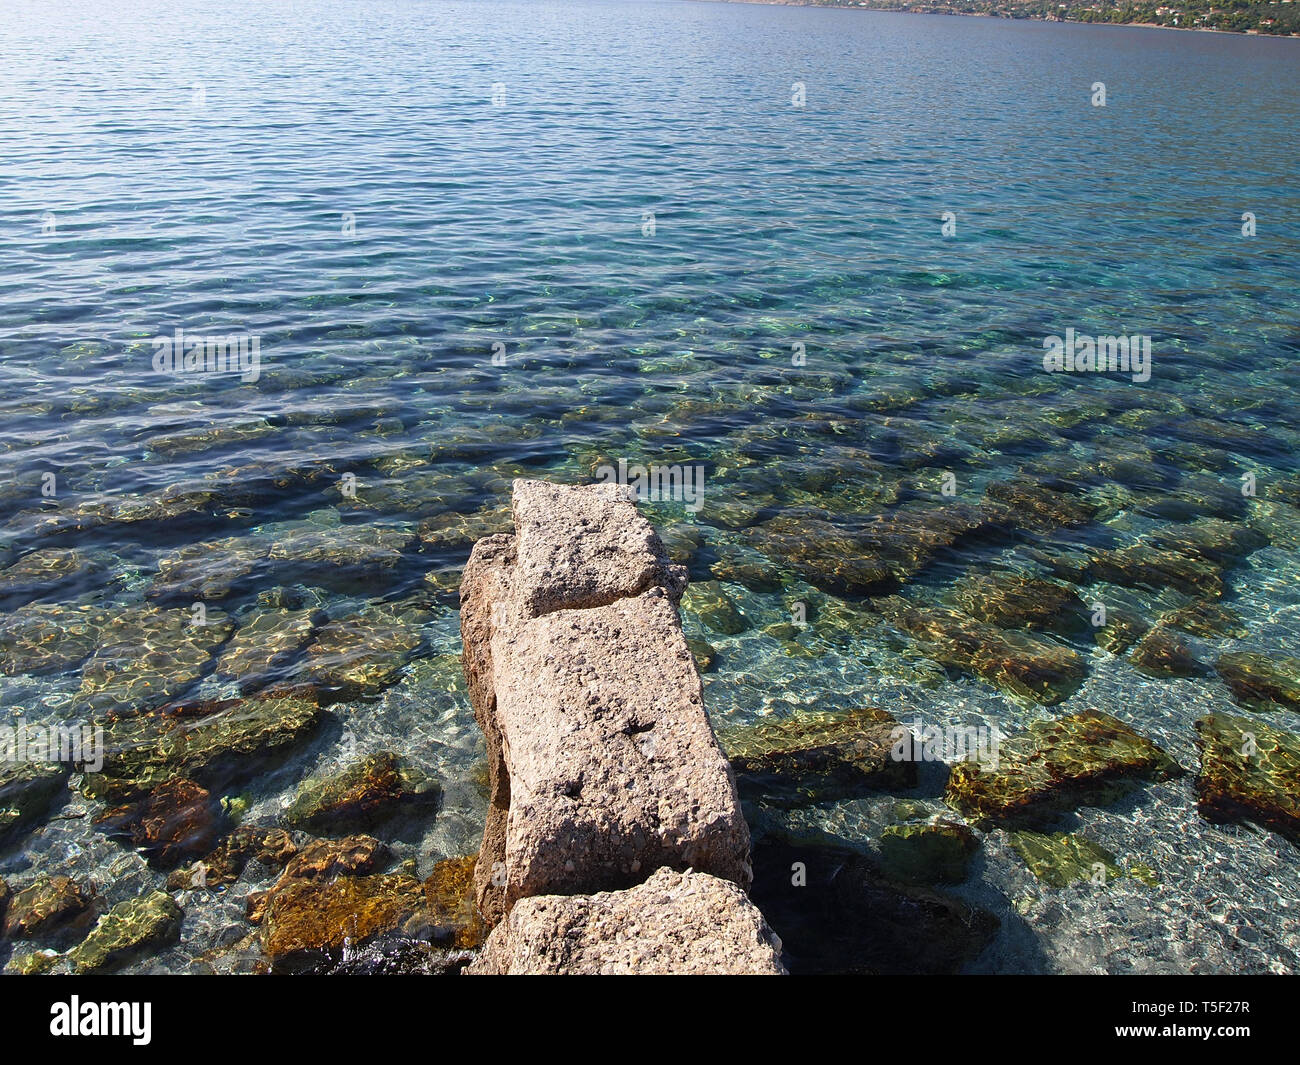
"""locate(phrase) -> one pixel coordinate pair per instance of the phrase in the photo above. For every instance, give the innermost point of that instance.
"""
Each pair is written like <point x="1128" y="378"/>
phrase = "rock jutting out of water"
<point x="604" y="767"/>
<point x="1086" y="758"/>
<point x="673" y="923"/>
<point x="1250" y="771"/>
<point x="607" y="785"/>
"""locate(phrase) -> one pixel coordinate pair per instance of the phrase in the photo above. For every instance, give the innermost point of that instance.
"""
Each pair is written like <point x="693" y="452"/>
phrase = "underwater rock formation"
<point x="1249" y="772"/>
<point x="127" y="930"/>
<point x="360" y="796"/>
<point x="1261" y="682"/>
<point x="818" y="757"/>
<point x="1086" y="758"/>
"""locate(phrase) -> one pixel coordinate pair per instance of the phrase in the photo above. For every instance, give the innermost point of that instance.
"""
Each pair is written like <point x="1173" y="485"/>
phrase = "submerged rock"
<point x="128" y="930"/>
<point x="1062" y="858"/>
<point x="937" y="853"/>
<point x="1013" y="661"/>
<point x="273" y="847"/>
<point x="1041" y="505"/>
<point x="149" y="655"/>
<point x="364" y="653"/>
<point x="673" y="923"/>
<point x="1161" y="654"/>
<point x="360" y="796"/>
<point x="263" y="644"/>
<point x="307" y="921"/>
<point x="836" y="912"/>
<point x="1207" y="619"/>
<point x="27" y="789"/>
<point x="821" y="756"/>
<point x="1122" y="630"/>
<point x="707" y="601"/>
<point x="458" y="532"/>
<point x="48" y="906"/>
<point x="208" y="570"/>
<point x="1014" y="601"/>
<point x="864" y="556"/>
<point x="1249" y="772"/>
<point x="704" y="654"/>
<point x="42" y="638"/>
<point x="1261" y="681"/>
<point x="342" y="552"/>
<point x="1087" y="758"/>
<point x="211" y="743"/>
<point x="452" y="914"/>
<point x="178" y="820"/>
<point x="1143" y="566"/>
<point x="40" y="573"/>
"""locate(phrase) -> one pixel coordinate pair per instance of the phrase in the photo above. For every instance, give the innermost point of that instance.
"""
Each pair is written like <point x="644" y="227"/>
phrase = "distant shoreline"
<point x="939" y="9"/>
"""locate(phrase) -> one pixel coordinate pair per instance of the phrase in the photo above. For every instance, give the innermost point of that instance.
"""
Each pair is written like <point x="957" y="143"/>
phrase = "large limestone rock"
<point x="674" y="923"/>
<point x="603" y="765"/>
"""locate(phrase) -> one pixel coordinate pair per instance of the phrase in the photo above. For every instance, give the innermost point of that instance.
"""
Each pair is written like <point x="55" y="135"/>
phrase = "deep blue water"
<point x="337" y="179"/>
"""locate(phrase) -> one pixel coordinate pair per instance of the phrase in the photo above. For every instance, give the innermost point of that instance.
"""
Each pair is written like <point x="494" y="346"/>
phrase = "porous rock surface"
<point x="605" y="773"/>
<point x="673" y="924"/>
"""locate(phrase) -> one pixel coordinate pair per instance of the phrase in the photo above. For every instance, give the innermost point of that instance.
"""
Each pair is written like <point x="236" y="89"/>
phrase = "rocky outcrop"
<point x="604" y="770"/>
<point x="674" y="923"/>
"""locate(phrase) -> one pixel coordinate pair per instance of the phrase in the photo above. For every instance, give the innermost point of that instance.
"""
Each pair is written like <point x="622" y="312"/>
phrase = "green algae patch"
<point x="812" y="758"/>
<point x="1087" y="758"/>
<point x="129" y="929"/>
<point x="1249" y="772"/>
<point x="1261" y="682"/>
<point x="1064" y="857"/>
<point x="938" y="853"/>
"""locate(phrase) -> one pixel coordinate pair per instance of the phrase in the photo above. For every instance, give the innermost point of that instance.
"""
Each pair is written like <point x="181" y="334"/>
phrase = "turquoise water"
<point x="626" y="199"/>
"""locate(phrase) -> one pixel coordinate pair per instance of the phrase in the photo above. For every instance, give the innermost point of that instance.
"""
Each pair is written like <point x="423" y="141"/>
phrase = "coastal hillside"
<point x="1277" y="17"/>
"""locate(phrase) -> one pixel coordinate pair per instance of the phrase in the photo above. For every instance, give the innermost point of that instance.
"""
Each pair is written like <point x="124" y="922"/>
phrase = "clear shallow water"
<point x="199" y="160"/>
